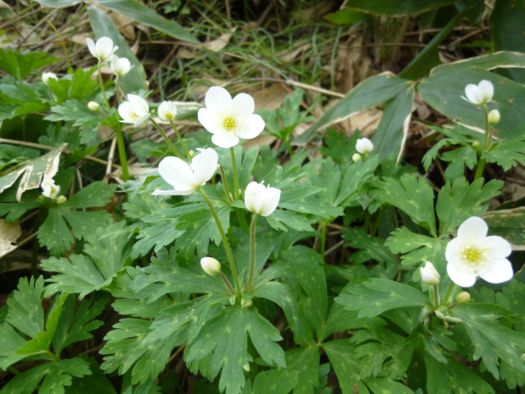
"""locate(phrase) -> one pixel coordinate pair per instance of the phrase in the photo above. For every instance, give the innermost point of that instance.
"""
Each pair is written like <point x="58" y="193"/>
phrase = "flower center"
<point x="134" y="116"/>
<point x="229" y="123"/>
<point x="472" y="255"/>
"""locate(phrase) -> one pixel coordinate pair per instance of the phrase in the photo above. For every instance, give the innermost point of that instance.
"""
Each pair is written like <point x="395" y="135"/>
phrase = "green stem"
<point x="435" y="294"/>
<point x="122" y="153"/>
<point x="179" y="137"/>
<point x="227" y="283"/>
<point x="118" y="96"/>
<point x="449" y="292"/>
<point x="101" y="84"/>
<point x="226" y="185"/>
<point x="486" y="145"/>
<point x="235" y="177"/>
<point x="225" y="243"/>
<point x="323" y="239"/>
<point x="163" y="134"/>
<point x="251" y="268"/>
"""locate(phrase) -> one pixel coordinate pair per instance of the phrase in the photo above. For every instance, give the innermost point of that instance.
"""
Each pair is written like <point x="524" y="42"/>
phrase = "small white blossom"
<point x="211" y="266"/>
<point x="184" y="177"/>
<point x="429" y="274"/>
<point x="120" y="66"/>
<point x="364" y="146"/>
<point x="134" y="111"/>
<point x="93" y="106"/>
<point x="103" y="49"/>
<point x="50" y="189"/>
<point x="472" y="253"/>
<point x="494" y="117"/>
<point x="260" y="199"/>
<point x="167" y="111"/>
<point x="229" y="119"/>
<point x="356" y="157"/>
<point x="47" y="76"/>
<point x="481" y="93"/>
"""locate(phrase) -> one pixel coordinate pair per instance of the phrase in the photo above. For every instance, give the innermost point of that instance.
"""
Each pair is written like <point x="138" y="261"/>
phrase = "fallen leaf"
<point x="9" y="233"/>
<point x="218" y="44"/>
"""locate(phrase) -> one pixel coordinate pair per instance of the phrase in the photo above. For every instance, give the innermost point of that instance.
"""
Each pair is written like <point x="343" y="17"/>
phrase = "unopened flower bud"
<point x="61" y="200"/>
<point x="364" y="146"/>
<point x="93" y="106"/>
<point x="476" y="144"/>
<point x="46" y="76"/>
<point x="463" y="297"/>
<point x="494" y="117"/>
<point x="211" y="266"/>
<point x="356" y="157"/>
<point x="429" y="274"/>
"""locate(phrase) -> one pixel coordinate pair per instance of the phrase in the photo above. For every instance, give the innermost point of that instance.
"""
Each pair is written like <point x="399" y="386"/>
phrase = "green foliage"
<point x="21" y="65"/>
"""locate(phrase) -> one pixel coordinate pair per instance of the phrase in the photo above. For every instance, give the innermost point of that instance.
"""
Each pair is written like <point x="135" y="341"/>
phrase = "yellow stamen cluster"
<point x="472" y="255"/>
<point x="229" y="123"/>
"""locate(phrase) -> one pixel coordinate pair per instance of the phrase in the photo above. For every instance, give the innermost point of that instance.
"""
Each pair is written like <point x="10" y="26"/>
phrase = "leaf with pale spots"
<point x="379" y="295"/>
<point x="105" y="254"/>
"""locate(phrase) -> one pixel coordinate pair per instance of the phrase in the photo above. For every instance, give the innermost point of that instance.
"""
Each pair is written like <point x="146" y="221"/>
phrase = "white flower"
<point x="481" y="93"/>
<point x="494" y="117"/>
<point x="260" y="199"/>
<point x="120" y="66"/>
<point x="229" y="119"/>
<point x="167" y="111"/>
<point x="210" y="265"/>
<point x="50" y="189"/>
<point x="93" y="106"/>
<point x="184" y="177"/>
<point x="103" y="49"/>
<point x="134" y="111"/>
<point x="429" y="274"/>
<point x="364" y="146"/>
<point x="47" y="76"/>
<point x="472" y="254"/>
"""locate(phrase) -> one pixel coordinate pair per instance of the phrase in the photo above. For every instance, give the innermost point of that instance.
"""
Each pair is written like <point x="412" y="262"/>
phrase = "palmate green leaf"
<point x="223" y="342"/>
<point x="507" y="154"/>
<point x="411" y="194"/>
<point x="347" y="368"/>
<point x="77" y="321"/>
<point x="369" y="93"/>
<point x="82" y="117"/>
<point x="494" y="342"/>
<point x="79" y="86"/>
<point x="25" y="311"/>
<point x="66" y="222"/>
<point x="459" y="200"/>
<point x="453" y="377"/>
<point x="47" y="378"/>
<point x="378" y="295"/>
<point x="21" y="65"/>
<point x="105" y="255"/>
<point x="369" y="248"/>
<point x="416" y="248"/>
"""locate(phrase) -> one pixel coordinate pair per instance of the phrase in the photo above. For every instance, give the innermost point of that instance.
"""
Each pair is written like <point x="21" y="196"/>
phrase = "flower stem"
<point x="101" y="84"/>
<point x="486" y="145"/>
<point x="323" y="239"/>
<point x="227" y="283"/>
<point x="122" y="153"/>
<point x="251" y="268"/>
<point x="235" y="177"/>
<point x="226" y="185"/>
<point x="163" y="134"/>
<point x="225" y="243"/>
<point x="179" y="137"/>
<point x="435" y="295"/>
<point x="449" y="292"/>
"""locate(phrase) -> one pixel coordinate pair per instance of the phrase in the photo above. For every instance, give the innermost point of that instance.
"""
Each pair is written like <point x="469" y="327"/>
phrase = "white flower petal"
<point x="167" y="111"/>
<point x="251" y="126"/>
<point x="217" y="98"/>
<point x="91" y="47"/>
<point x="486" y="90"/>
<point x="225" y="140"/>
<point x="209" y="120"/>
<point x="172" y="192"/>
<point x="454" y="249"/>
<point x="139" y="105"/>
<point x="497" y="247"/>
<point x="270" y="201"/>
<point x="497" y="271"/>
<point x="204" y="165"/>
<point x="243" y="103"/>
<point x="177" y="173"/>
<point x="104" y="47"/>
<point x="472" y="93"/>
<point x="125" y="110"/>
<point x="474" y="228"/>
<point x="252" y="194"/>
<point x="460" y="274"/>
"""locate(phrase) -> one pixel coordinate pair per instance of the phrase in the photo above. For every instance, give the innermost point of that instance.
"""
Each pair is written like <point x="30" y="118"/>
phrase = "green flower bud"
<point x="463" y="297"/>
<point x="494" y="117"/>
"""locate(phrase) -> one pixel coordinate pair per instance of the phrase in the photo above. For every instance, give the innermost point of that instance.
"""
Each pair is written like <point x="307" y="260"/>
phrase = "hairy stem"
<point x="251" y="269"/>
